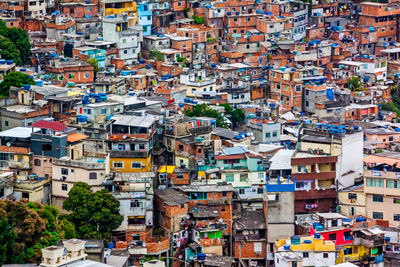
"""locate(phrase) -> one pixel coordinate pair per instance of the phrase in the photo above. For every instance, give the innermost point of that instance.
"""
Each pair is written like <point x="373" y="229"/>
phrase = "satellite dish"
<point x="8" y="144"/>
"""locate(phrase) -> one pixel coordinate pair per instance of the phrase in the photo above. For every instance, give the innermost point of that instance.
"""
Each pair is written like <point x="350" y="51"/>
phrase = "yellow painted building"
<point x="352" y="201"/>
<point x="313" y="244"/>
<point x="124" y="7"/>
<point x="130" y="164"/>
<point x="351" y="253"/>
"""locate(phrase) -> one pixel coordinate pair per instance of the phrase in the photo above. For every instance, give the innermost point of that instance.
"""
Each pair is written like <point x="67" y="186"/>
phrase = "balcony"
<point x="126" y="136"/>
<point x="137" y="227"/>
<point x="129" y="154"/>
<point x="85" y="163"/>
<point x="30" y="185"/>
<point x="315" y="194"/>
<point x="210" y="242"/>
<point x="315" y="175"/>
<point x="156" y="247"/>
<point x="368" y="243"/>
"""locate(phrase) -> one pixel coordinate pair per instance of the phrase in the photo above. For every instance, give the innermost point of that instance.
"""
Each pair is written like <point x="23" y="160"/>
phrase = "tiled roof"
<point x="51" y="125"/>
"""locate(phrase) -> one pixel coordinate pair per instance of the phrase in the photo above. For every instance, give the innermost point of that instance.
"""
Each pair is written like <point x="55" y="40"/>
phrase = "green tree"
<point x="17" y="79"/>
<point x="157" y="55"/>
<point x="18" y="48"/>
<point x="94" y="63"/>
<point x="9" y="51"/>
<point x="7" y="237"/>
<point x="198" y="20"/>
<point x="354" y="83"/>
<point x="21" y="40"/>
<point x="238" y="117"/>
<point x="95" y="215"/>
<point x="202" y="110"/>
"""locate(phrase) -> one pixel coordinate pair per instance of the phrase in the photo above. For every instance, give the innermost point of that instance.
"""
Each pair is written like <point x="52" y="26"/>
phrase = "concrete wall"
<point x="281" y="216"/>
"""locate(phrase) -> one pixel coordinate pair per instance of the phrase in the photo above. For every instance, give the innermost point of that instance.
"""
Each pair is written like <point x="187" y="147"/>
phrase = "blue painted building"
<point x="145" y="17"/>
<point x="98" y="54"/>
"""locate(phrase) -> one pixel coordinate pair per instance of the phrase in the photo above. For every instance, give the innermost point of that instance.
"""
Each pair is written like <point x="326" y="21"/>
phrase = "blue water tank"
<point x="2" y="61"/>
<point x="82" y="118"/>
<point x="201" y="256"/>
<point x="10" y="62"/>
<point x="317" y="235"/>
<point x="142" y="61"/>
<point x="27" y="87"/>
<point x="286" y="247"/>
<point x="39" y="83"/>
<point x="307" y="241"/>
<point x="148" y="66"/>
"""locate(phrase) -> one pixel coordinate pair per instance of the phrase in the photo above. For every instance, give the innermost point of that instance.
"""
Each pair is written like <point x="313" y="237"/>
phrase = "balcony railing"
<point x="129" y="154"/>
<point x="80" y="164"/>
<point x="315" y="194"/>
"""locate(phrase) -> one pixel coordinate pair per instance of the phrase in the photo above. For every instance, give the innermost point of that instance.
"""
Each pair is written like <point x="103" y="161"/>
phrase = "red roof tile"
<point x="51" y="125"/>
<point x="236" y="156"/>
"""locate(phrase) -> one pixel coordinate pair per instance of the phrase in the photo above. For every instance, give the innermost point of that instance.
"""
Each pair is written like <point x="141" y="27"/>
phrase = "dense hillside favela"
<point x="199" y="133"/>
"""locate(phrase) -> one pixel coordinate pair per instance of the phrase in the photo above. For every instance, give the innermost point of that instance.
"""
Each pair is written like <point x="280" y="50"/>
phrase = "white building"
<point x="128" y="38"/>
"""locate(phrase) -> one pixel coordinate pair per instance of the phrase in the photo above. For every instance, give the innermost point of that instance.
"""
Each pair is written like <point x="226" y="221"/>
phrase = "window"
<point x="393" y="184"/>
<point x="377" y="198"/>
<point x="332" y="236"/>
<point x="326" y="255"/>
<point x="377" y="215"/>
<point x="64" y="187"/>
<point x="125" y="52"/>
<point x="305" y="254"/>
<point x="260" y="190"/>
<point x="396" y="200"/>
<point x="225" y="194"/>
<point x="37" y="162"/>
<point x="70" y="76"/>
<point x="118" y="164"/>
<point x="229" y="177"/>
<point x="268" y="135"/>
<point x="371" y="182"/>
<point x="396" y="217"/>
<point x="179" y="176"/>
<point x="274" y="133"/>
<point x="241" y="191"/>
<point x="260" y="175"/>
<point x="223" y="208"/>
<point x="89" y="111"/>
<point x="352" y="196"/>
<point x="136" y="165"/>
<point x="136" y="204"/>
<point x="64" y="171"/>
<point x="5" y="123"/>
<point x="103" y="111"/>
<point x="243" y="177"/>
<point x="141" y="146"/>
<point x="92" y="176"/>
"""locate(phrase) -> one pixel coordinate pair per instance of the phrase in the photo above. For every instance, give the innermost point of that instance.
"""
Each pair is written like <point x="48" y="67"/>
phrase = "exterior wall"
<point x="387" y="207"/>
<point x="347" y="206"/>
<point x="127" y="164"/>
<point x="281" y="216"/>
<point x="78" y="175"/>
<point x="350" y="165"/>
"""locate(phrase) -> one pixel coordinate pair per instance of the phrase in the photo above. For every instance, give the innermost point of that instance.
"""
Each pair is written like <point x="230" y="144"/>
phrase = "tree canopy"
<point x="95" y="214"/>
<point x="17" y="79"/>
<point x="14" y="44"/>
<point x="26" y="229"/>
<point x="237" y="115"/>
<point x="202" y="110"/>
<point x="94" y="63"/>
